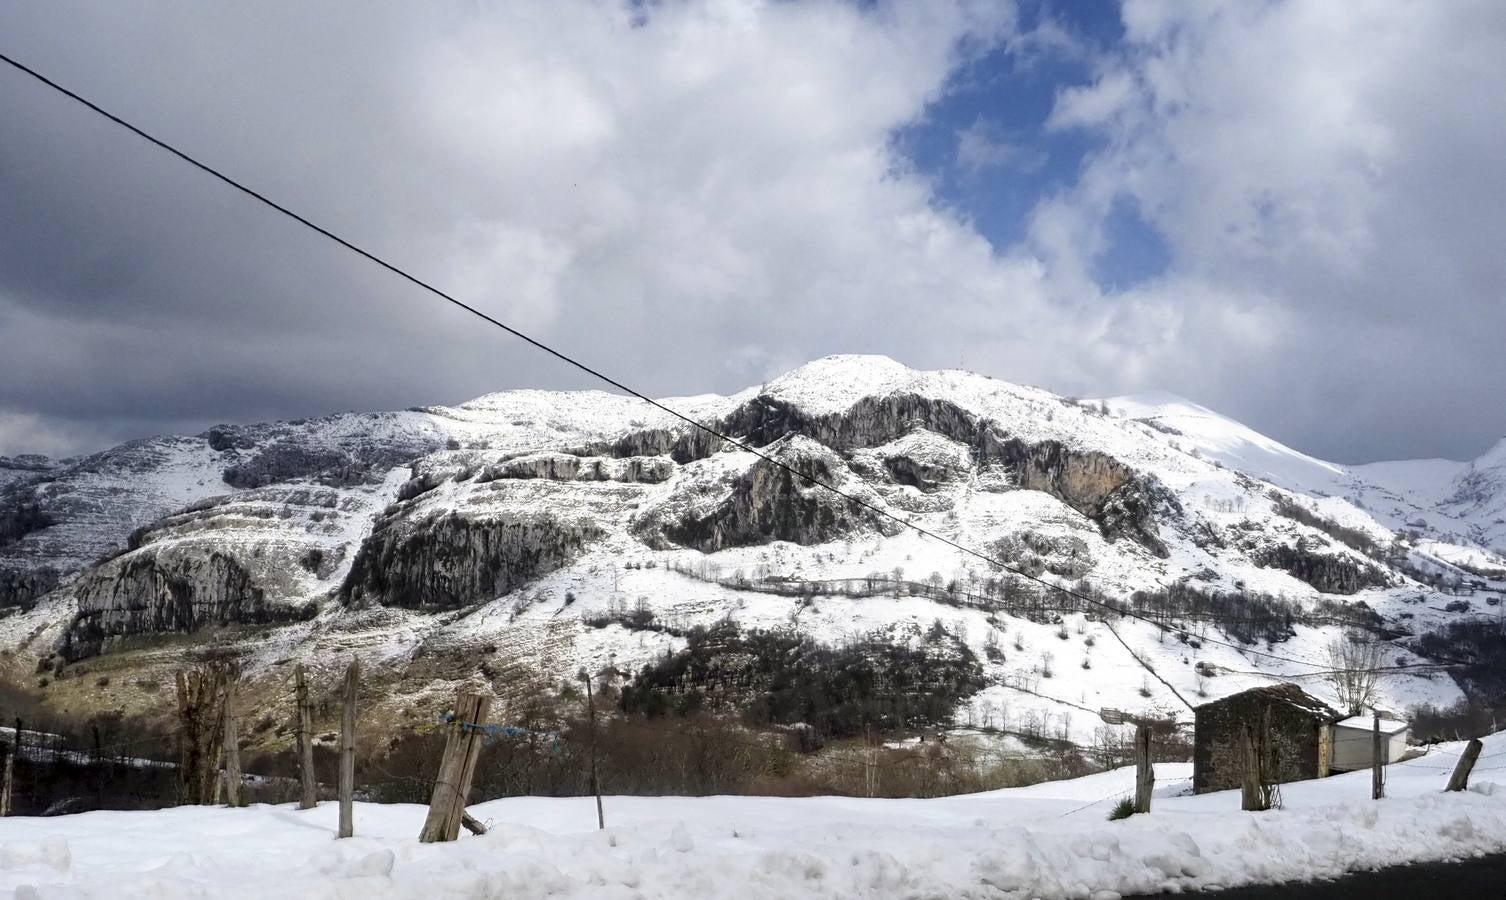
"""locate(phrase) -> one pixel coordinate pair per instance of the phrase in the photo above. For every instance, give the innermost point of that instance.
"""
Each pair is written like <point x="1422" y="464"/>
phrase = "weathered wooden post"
<point x="310" y="796"/>
<point x="200" y="695"/>
<point x="1256" y="791"/>
<point x="1145" y="726"/>
<point x="231" y="739"/>
<point x="1145" y="778"/>
<point x="187" y="740"/>
<point x="456" y="768"/>
<point x="1460" y="779"/>
<point x="5" y="784"/>
<point x="601" y="821"/>
<point x="1249" y="786"/>
<point x="348" y="751"/>
<point x="1377" y="772"/>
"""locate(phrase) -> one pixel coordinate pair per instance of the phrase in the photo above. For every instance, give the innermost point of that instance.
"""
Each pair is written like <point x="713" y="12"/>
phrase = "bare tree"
<point x="1353" y="661"/>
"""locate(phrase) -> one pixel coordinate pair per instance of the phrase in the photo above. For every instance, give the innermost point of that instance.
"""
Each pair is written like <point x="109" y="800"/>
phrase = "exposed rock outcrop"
<point x="1329" y="573"/>
<point x="447" y="561"/>
<point x="682" y="445"/>
<point x="1130" y="512"/>
<point x="151" y="592"/>
<point x="1093" y="483"/>
<point x="20" y="588"/>
<point x="332" y="466"/>
<point x="770" y="503"/>
<point x="869" y="422"/>
<point x="569" y="467"/>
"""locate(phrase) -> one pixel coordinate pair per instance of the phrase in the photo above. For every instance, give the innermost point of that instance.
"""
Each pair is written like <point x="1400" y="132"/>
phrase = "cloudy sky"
<point x="1292" y="212"/>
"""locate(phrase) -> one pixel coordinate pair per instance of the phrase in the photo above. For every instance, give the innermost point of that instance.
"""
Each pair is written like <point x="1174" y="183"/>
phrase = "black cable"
<point x="569" y="360"/>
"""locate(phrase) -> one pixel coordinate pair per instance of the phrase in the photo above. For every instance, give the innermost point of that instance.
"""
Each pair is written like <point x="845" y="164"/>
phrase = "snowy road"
<point x="1482" y="878"/>
<point x="1049" y="840"/>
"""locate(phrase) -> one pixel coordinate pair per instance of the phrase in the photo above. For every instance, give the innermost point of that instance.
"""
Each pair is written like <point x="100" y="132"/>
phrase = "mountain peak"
<point x="832" y="383"/>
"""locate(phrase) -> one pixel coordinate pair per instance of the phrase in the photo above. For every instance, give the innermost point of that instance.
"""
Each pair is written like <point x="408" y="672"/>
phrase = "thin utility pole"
<point x="1377" y="772"/>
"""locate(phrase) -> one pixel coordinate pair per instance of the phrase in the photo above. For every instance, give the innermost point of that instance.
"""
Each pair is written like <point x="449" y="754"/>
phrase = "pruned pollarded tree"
<point x="1354" y="660"/>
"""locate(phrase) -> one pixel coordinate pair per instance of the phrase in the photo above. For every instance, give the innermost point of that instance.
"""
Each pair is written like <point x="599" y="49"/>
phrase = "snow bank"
<point x="1049" y="841"/>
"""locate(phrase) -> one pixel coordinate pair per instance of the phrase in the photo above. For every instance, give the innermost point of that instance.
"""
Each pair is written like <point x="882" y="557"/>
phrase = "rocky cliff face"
<point x="156" y="592"/>
<point x="1093" y="483"/>
<point x="448" y="561"/>
<point x="767" y="502"/>
<point x="568" y="467"/>
<point x="18" y="589"/>
<point x="868" y="422"/>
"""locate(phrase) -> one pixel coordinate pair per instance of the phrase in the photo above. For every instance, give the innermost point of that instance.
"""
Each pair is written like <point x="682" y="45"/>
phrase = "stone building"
<point x="1301" y="736"/>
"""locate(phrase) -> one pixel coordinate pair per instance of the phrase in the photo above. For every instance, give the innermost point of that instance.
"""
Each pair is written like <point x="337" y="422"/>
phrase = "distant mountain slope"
<point x="1462" y="503"/>
<point x="513" y="539"/>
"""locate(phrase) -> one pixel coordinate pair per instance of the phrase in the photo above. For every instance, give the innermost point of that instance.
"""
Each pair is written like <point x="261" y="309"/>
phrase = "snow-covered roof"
<point x="1367" y="723"/>
<point x="1285" y="692"/>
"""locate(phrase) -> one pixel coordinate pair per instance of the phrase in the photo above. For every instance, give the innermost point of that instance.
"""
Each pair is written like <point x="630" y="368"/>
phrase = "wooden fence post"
<point x="1377" y="772"/>
<point x="456" y="768"/>
<point x="348" y="751"/>
<point x="231" y="740"/>
<point x="310" y="796"/>
<point x="1256" y="791"/>
<point x="200" y="695"/>
<point x="601" y="821"/>
<point x="1145" y="777"/>
<point x="1460" y="779"/>
<point x="1249" y="786"/>
<point x="5" y="785"/>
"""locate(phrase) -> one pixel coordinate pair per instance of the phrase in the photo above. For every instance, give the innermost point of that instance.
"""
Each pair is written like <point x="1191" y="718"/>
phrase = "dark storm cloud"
<point x="695" y="204"/>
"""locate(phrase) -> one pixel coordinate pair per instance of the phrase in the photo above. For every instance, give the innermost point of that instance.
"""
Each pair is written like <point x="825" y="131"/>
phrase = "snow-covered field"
<point x="1049" y="840"/>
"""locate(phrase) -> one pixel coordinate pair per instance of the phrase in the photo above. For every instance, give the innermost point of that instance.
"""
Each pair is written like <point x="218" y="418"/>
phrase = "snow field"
<point x="1049" y="840"/>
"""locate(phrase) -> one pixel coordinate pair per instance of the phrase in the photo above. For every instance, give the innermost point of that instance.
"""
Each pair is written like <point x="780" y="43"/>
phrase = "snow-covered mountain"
<point x="1460" y="507"/>
<point x="513" y="539"/>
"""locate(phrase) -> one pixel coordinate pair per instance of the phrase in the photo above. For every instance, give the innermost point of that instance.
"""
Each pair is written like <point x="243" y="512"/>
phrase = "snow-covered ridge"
<point x="1456" y="502"/>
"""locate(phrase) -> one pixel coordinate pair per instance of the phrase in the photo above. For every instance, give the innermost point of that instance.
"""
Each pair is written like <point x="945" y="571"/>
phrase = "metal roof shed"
<point x="1352" y="742"/>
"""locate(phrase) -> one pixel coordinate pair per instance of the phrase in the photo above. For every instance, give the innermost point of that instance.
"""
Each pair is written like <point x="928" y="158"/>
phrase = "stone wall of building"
<point x="1301" y="747"/>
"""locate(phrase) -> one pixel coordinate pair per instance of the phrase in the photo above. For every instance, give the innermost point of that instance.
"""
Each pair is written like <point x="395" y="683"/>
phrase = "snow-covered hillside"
<point x="525" y="526"/>
<point x="1459" y="503"/>
<point x="1049" y="840"/>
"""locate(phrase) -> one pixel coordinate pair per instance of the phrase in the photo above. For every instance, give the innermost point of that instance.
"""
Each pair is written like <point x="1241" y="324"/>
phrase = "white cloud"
<point x="698" y="200"/>
<point x="982" y="146"/>
<point x="1328" y="180"/>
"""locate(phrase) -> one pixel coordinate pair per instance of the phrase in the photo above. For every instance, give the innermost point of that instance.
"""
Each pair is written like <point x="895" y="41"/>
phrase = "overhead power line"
<point x="607" y="379"/>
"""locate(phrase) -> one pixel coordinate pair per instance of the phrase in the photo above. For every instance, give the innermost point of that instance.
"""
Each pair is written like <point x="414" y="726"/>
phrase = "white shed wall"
<point x="1352" y="747"/>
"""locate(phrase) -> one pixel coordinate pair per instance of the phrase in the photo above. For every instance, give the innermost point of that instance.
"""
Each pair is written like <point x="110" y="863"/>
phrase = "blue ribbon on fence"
<point x="493" y="732"/>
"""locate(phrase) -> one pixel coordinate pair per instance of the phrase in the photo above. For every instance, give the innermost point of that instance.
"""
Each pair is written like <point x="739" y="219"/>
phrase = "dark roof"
<point x="1285" y="692"/>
